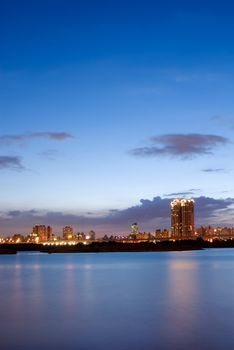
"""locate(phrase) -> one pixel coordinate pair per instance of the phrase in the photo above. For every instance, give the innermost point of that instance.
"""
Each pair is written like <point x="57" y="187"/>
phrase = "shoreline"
<point x="117" y="247"/>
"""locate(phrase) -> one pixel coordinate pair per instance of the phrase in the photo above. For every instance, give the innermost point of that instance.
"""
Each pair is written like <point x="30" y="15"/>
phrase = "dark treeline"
<point x="97" y="247"/>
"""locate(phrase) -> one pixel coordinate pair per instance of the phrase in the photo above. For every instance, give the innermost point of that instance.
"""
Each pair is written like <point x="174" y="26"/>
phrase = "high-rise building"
<point x="134" y="229"/>
<point x="68" y="232"/>
<point x="42" y="232"/>
<point x="182" y="219"/>
<point x="49" y="233"/>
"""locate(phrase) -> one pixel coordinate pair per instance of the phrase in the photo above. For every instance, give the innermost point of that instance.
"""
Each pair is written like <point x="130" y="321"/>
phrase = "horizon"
<point x="206" y="208"/>
<point x="111" y="110"/>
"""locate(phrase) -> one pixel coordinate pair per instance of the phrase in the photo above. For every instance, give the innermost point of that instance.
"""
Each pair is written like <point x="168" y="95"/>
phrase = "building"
<point x="91" y="235"/>
<point x="162" y="235"/>
<point x="143" y="236"/>
<point x="182" y="219"/>
<point x="67" y="232"/>
<point x="134" y="229"/>
<point x="49" y="233"/>
<point x="41" y="233"/>
<point x="211" y="233"/>
<point x="80" y="236"/>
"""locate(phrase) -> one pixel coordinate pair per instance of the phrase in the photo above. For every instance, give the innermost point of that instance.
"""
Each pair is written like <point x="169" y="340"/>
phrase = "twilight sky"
<point x="109" y="109"/>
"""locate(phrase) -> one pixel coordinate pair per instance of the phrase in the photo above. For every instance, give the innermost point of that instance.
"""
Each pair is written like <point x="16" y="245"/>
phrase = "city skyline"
<point x="111" y="110"/>
<point x="181" y="215"/>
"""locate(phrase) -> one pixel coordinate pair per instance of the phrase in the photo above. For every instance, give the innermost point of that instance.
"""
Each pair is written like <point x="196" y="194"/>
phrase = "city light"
<point x="182" y="228"/>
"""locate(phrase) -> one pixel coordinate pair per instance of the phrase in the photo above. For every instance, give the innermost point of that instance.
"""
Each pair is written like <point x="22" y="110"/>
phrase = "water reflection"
<point x="183" y="310"/>
<point x="118" y="301"/>
<point x="17" y="295"/>
<point x="69" y="286"/>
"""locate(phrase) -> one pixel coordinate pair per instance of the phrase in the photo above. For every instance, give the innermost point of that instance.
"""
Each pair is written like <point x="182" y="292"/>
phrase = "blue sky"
<point x="105" y="103"/>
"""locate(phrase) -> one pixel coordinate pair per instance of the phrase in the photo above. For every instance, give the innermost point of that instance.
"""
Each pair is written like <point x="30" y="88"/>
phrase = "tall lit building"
<point x="182" y="219"/>
<point x="68" y="232"/>
<point x="49" y="233"/>
<point x="134" y="229"/>
<point x="42" y="233"/>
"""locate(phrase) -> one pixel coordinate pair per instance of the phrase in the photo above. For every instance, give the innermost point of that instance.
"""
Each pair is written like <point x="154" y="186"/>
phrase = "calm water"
<point x="178" y="300"/>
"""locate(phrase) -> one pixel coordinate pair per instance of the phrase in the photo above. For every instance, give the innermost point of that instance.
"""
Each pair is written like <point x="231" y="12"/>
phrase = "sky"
<point x="110" y="109"/>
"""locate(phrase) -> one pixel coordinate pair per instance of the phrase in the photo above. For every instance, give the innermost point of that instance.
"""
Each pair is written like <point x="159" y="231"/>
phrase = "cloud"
<point x="50" y="154"/>
<point x="207" y="207"/>
<point x="213" y="170"/>
<point x="7" y="162"/>
<point x="56" y="136"/>
<point x="180" y="145"/>
<point x="14" y="213"/>
<point x="150" y="214"/>
<point x="218" y="119"/>
<point x="184" y="193"/>
<point x="222" y="121"/>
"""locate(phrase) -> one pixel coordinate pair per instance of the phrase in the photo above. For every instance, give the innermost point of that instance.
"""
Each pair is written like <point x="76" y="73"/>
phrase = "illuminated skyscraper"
<point x="42" y="232"/>
<point x="182" y="219"/>
<point x="68" y="232"/>
<point x="134" y="229"/>
<point x="49" y="233"/>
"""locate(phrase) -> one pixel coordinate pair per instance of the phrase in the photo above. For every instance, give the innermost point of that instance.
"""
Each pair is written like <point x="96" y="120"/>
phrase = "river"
<point x="124" y="301"/>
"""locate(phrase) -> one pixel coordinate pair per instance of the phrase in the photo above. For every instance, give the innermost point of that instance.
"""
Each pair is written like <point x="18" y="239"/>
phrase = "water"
<point x="174" y="300"/>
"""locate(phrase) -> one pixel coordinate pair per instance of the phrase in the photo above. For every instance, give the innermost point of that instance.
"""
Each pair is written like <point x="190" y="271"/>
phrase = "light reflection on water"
<point x="175" y="300"/>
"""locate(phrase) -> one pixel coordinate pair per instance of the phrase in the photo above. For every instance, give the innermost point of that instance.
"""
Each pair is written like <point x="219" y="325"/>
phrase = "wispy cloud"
<point x="190" y="192"/>
<point x="50" y="154"/>
<point x="180" y="145"/>
<point x="8" y="162"/>
<point x="214" y="170"/>
<point x="223" y="121"/>
<point x="54" y="136"/>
